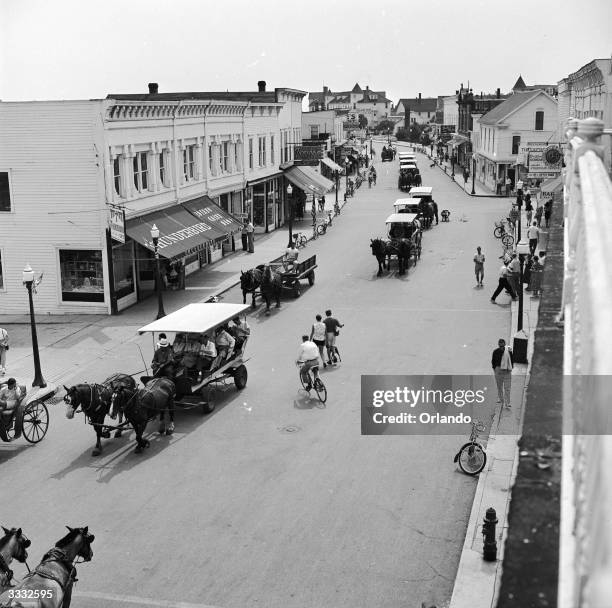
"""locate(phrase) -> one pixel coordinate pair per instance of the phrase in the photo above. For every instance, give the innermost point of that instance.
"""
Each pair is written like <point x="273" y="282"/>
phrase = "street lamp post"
<point x="347" y="164"/>
<point x="28" y="281"/>
<point x="519" y="204"/>
<point x="520" y="338"/>
<point x="371" y="151"/>
<point x="158" y="278"/>
<point x="453" y="166"/>
<point x="473" y="174"/>
<point x="337" y="176"/>
<point x="290" y="201"/>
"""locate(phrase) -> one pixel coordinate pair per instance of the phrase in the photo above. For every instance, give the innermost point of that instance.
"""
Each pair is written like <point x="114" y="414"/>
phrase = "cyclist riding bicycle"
<point x="308" y="356"/>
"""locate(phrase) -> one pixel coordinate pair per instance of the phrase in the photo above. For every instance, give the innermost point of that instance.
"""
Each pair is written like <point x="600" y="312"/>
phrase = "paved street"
<point x="272" y="501"/>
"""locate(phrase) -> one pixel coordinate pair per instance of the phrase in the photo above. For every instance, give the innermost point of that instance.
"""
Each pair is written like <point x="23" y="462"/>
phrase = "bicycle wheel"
<point x="498" y="232"/>
<point x="507" y="240"/>
<point x="472" y="458"/>
<point x="321" y="390"/>
<point x="304" y="385"/>
<point x="321" y="228"/>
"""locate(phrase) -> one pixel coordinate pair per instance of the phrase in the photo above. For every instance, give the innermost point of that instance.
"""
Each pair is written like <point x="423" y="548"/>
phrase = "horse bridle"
<point x="88" y="412"/>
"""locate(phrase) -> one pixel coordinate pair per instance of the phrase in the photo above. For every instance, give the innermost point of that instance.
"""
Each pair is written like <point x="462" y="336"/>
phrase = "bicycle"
<point x="300" y="240"/>
<point x="315" y="383"/>
<point x="472" y="457"/>
<point x="500" y="232"/>
<point x="322" y="228"/>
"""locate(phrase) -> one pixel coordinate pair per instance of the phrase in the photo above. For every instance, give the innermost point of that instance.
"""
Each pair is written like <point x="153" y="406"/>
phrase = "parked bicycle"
<point x="472" y="457"/>
<point x="322" y="228"/>
<point x="315" y="383"/>
<point x="300" y="240"/>
<point x="500" y="232"/>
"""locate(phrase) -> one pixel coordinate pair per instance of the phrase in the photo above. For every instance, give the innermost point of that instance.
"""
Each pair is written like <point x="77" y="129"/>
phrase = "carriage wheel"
<point x="297" y="289"/>
<point x="240" y="377"/>
<point x="34" y="422"/>
<point x="208" y="399"/>
<point x="311" y="278"/>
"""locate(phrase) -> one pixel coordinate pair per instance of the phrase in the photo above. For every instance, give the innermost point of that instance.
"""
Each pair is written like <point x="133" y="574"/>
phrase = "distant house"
<point x="520" y="86"/>
<point x="419" y="110"/>
<point x="374" y="105"/>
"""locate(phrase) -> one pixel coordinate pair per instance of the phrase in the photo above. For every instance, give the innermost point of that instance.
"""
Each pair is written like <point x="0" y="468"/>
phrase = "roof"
<point x="356" y="88"/>
<point x="196" y="318"/>
<point x="508" y="106"/>
<point x="519" y="84"/>
<point x="419" y="104"/>
<point x="254" y="96"/>
<point x="371" y="96"/>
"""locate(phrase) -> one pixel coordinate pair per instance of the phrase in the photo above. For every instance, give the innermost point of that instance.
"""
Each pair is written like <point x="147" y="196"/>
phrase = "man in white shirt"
<point x="514" y="271"/>
<point x="503" y="283"/>
<point x="533" y="234"/>
<point x="290" y="257"/>
<point x="519" y="187"/>
<point x="308" y="354"/>
<point x="10" y="396"/>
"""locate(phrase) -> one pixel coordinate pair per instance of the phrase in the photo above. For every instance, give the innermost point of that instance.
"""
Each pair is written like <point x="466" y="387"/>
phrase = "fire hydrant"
<point x="489" y="549"/>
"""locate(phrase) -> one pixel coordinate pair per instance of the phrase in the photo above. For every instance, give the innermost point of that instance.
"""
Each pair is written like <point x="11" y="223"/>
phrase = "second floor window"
<point x="539" y="120"/>
<point x="189" y="162"/>
<point x="117" y="175"/>
<point x="314" y="131"/>
<point x="251" y="153"/>
<point x="262" y="151"/>
<point x="272" y="149"/>
<point x="516" y="142"/>
<point x="225" y="156"/>
<point x="162" y="169"/>
<point x="140" y="172"/>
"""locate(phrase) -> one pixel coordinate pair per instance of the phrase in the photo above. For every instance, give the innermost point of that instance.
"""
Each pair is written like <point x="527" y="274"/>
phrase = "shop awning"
<point x="180" y="232"/>
<point x="331" y="164"/>
<point x="205" y="210"/>
<point x="308" y="180"/>
<point x="552" y="185"/>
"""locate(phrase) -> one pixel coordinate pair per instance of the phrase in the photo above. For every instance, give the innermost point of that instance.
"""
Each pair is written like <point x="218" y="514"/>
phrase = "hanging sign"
<point x="116" y="223"/>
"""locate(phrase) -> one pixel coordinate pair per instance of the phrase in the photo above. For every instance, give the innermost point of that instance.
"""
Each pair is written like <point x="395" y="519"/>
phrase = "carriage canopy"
<point x="404" y="205"/>
<point x="196" y="318"/>
<point x="401" y="218"/>
<point x="421" y="192"/>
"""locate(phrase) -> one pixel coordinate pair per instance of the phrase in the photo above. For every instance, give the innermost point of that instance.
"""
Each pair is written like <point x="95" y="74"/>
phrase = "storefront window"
<point x="82" y="277"/>
<point x="123" y="269"/>
<point x="259" y="205"/>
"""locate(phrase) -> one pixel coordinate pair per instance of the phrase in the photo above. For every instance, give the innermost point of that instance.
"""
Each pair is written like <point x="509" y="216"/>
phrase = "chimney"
<point x="419" y="98"/>
<point x="497" y="93"/>
<point x="153" y="88"/>
<point x="261" y="86"/>
<point x="326" y="90"/>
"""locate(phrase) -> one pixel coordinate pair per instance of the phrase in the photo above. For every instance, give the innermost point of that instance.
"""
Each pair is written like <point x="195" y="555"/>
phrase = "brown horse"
<point x="52" y="580"/>
<point x="12" y="547"/>
<point x="95" y="402"/>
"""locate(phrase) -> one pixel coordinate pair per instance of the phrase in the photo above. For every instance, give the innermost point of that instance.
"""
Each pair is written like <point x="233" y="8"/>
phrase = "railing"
<point x="586" y="527"/>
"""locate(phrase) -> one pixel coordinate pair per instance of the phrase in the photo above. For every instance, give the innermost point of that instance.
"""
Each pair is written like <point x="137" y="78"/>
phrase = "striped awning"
<point x="331" y="164"/>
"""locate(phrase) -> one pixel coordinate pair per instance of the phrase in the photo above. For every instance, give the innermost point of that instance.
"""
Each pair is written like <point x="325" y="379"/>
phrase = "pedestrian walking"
<point x="4" y="346"/>
<point x="479" y="260"/>
<point x="528" y="206"/>
<point x="548" y="211"/>
<point x="503" y="284"/>
<point x="499" y="186"/>
<point x="533" y="234"/>
<point x="514" y="271"/>
<point x="508" y="186"/>
<point x="502" y="362"/>
<point x="538" y="214"/>
<point x="332" y="327"/>
<point x="317" y="335"/>
<point x="250" y="229"/>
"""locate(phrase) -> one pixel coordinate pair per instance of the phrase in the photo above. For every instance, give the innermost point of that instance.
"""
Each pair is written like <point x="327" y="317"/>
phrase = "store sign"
<point x="542" y="158"/>
<point x="308" y="153"/>
<point x="116" y="223"/>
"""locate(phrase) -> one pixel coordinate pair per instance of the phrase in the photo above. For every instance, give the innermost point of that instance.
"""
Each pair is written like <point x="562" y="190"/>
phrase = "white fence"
<point x="585" y="574"/>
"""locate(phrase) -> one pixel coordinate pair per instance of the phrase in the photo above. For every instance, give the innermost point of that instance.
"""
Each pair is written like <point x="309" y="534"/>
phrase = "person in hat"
<point x="163" y="354"/>
<point x="10" y="395"/>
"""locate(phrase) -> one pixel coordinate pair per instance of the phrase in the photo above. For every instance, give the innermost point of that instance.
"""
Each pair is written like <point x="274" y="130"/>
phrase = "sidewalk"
<point x="477" y="581"/>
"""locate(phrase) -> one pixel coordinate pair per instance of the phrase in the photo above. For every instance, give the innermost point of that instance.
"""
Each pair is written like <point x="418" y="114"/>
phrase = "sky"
<point x="86" y="49"/>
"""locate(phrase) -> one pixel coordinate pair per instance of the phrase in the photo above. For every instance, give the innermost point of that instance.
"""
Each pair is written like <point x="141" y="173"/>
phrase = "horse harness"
<point x="4" y="569"/>
<point x="56" y="567"/>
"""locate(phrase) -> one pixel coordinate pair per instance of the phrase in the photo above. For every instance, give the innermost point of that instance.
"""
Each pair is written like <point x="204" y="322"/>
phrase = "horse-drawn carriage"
<point x="404" y="242"/>
<point x="30" y="417"/>
<point x="386" y="154"/>
<point x="174" y="383"/>
<point x="268" y="281"/>
<point x="409" y="176"/>
<point x="427" y="206"/>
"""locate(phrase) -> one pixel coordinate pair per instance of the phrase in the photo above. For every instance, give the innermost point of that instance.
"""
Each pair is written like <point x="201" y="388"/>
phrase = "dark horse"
<point x="52" y="580"/>
<point x="380" y="249"/>
<point x="427" y="212"/>
<point x="267" y="280"/>
<point x="142" y="405"/>
<point x="95" y="402"/>
<point x="12" y="546"/>
<point x="403" y="249"/>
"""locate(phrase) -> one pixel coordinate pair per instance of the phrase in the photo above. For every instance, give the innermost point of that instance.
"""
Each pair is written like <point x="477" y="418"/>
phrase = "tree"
<point x="363" y="121"/>
<point x="385" y="125"/>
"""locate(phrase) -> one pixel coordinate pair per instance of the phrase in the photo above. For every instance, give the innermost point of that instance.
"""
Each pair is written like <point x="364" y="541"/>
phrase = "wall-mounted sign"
<point x="542" y="157"/>
<point x="116" y="223"/>
<point x="308" y="153"/>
